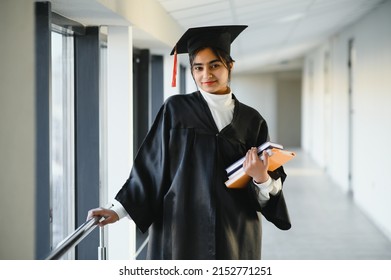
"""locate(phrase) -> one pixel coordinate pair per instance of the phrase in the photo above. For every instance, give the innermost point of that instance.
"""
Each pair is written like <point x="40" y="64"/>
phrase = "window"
<point x="67" y="74"/>
<point x="62" y="190"/>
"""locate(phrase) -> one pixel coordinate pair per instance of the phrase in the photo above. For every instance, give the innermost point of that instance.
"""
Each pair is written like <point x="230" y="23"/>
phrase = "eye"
<point x="215" y="65"/>
<point x="197" y="68"/>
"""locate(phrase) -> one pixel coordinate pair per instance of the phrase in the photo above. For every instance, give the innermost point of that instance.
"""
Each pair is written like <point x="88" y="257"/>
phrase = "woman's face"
<point x="209" y="73"/>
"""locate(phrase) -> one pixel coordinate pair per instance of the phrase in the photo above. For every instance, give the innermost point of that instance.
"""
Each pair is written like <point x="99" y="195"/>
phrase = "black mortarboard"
<point x="208" y="36"/>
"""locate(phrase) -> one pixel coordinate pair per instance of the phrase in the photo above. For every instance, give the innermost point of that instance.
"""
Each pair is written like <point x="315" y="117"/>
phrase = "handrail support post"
<point x="102" y="251"/>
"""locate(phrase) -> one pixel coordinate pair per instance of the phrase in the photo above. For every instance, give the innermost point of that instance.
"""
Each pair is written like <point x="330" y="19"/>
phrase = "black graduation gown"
<point x="176" y="186"/>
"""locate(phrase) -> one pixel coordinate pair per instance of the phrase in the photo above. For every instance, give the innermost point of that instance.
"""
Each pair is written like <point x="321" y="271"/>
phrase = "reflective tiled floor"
<point x="326" y="224"/>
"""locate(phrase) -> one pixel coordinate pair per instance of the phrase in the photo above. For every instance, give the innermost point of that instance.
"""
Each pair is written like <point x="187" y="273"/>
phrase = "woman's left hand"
<point x="255" y="167"/>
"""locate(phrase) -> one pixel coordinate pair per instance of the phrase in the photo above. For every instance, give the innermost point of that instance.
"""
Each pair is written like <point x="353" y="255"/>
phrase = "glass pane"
<point x="61" y="138"/>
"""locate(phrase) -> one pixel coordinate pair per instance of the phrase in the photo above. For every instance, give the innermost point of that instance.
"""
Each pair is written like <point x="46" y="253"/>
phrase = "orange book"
<point x="277" y="157"/>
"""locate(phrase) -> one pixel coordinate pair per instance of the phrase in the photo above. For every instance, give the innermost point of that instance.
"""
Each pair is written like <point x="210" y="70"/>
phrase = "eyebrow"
<point x="210" y="62"/>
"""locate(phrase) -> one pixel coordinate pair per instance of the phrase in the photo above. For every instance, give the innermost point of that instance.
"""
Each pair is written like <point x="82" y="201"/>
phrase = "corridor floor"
<point x="326" y="224"/>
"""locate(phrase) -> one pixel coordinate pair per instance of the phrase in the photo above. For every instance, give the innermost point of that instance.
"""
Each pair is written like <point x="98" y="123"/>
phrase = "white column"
<point x="119" y="126"/>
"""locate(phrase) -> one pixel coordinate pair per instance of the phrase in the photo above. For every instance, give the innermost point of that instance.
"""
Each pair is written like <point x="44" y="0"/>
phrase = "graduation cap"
<point x="208" y="36"/>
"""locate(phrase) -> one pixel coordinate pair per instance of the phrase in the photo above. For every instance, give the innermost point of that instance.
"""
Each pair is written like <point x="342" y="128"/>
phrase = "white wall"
<point x="17" y="122"/>
<point x="276" y="95"/>
<point x="260" y="92"/>
<point x="313" y="106"/>
<point x="372" y="117"/>
<point x="371" y="100"/>
<point x="289" y="108"/>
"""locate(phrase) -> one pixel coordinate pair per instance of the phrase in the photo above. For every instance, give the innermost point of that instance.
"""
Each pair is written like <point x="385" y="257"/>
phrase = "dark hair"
<point x="223" y="56"/>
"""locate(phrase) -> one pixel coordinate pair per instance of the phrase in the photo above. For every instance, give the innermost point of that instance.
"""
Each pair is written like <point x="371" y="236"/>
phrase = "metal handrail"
<point x="80" y="233"/>
<point x="74" y="238"/>
<point x="141" y="247"/>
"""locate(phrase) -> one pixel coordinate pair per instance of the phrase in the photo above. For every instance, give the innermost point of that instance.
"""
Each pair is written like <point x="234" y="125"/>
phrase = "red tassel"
<point x="174" y="70"/>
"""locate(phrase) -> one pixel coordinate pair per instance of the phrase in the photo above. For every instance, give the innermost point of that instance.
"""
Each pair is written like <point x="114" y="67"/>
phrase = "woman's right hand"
<point x="109" y="215"/>
<point x="255" y="167"/>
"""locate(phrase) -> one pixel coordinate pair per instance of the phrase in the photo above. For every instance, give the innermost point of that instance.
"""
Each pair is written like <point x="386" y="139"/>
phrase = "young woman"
<point x="176" y="186"/>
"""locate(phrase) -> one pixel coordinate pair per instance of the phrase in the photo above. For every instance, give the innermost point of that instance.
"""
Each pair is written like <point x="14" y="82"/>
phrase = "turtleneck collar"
<point x="221" y="106"/>
<point x="218" y="100"/>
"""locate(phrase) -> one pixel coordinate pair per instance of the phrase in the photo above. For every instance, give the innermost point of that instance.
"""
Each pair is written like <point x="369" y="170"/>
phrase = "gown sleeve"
<point x="143" y="192"/>
<point x="275" y="210"/>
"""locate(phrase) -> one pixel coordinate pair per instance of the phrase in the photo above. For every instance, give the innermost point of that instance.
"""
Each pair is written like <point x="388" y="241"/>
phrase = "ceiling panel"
<point x="179" y="5"/>
<point x="220" y="19"/>
<point x="203" y="11"/>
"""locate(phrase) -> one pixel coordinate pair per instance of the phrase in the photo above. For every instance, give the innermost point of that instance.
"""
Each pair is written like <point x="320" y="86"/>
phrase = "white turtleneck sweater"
<point x="221" y="106"/>
<point x="222" y="109"/>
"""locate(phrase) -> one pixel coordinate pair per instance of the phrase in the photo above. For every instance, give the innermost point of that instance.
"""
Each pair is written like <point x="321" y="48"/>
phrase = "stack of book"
<point x="237" y="178"/>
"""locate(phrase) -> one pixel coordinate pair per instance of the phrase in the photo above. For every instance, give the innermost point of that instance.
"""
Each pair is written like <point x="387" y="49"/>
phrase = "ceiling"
<point x="279" y="32"/>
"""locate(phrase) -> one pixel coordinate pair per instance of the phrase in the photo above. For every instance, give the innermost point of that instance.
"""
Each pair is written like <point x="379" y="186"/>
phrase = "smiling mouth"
<point x="209" y="83"/>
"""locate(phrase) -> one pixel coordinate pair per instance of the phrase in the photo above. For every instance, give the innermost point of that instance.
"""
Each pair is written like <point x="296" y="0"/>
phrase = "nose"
<point x="207" y="74"/>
